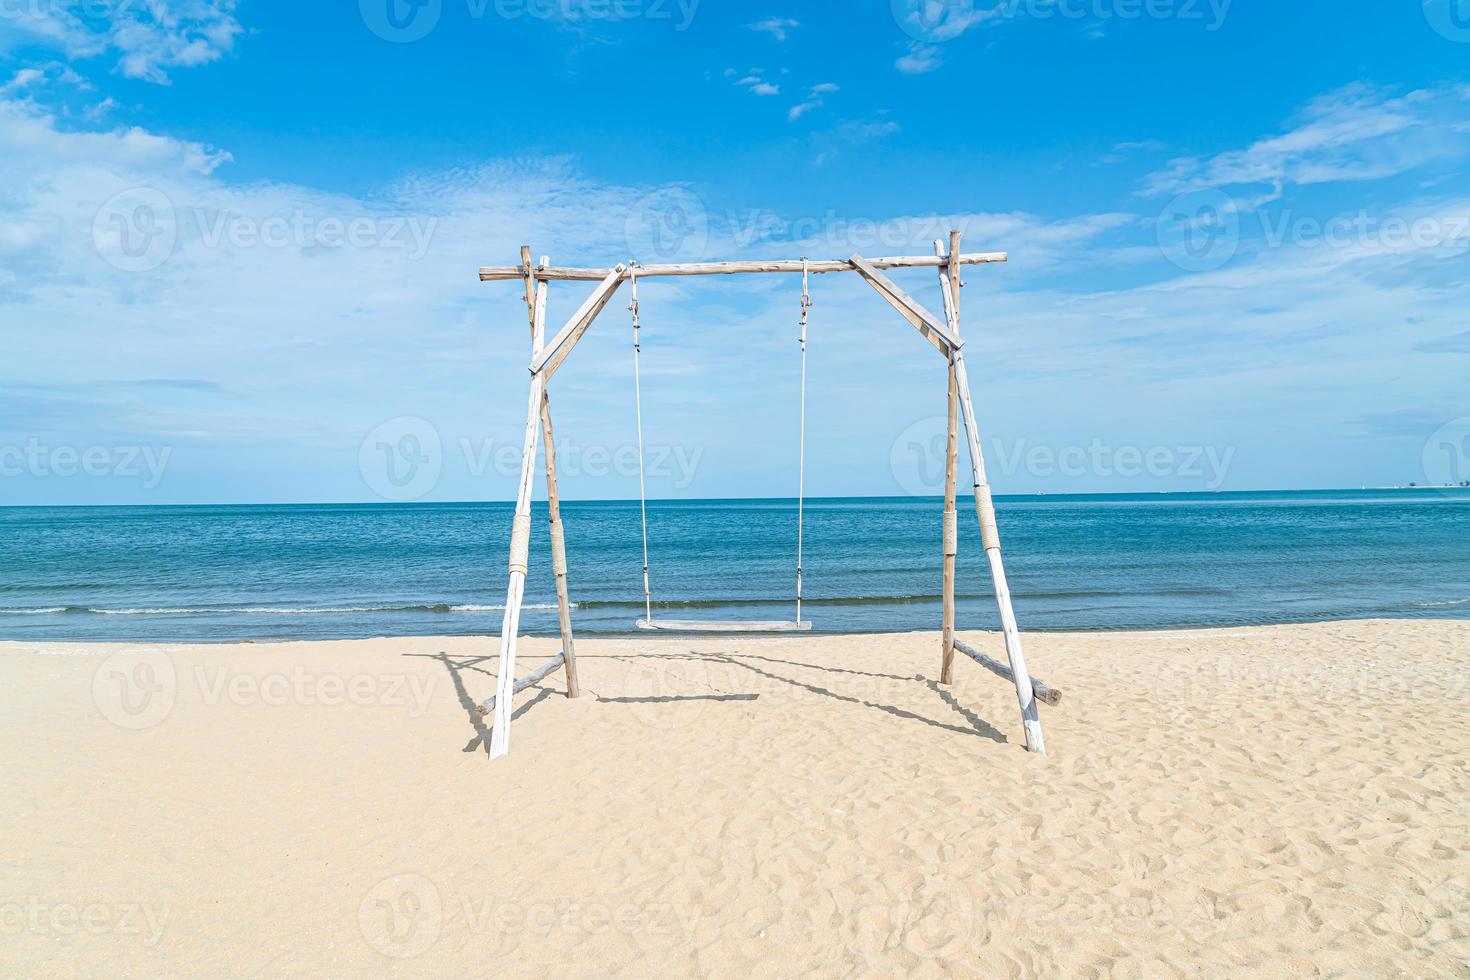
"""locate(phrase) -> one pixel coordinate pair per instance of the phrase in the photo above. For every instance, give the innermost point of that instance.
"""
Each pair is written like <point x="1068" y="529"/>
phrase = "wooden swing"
<point x="547" y="357"/>
<point x="723" y="626"/>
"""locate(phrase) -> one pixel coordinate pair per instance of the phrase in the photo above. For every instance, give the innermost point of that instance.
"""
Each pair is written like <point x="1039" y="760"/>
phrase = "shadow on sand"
<point x="761" y="666"/>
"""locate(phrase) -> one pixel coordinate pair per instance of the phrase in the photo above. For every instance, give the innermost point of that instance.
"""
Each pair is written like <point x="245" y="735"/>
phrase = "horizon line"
<point x="708" y="500"/>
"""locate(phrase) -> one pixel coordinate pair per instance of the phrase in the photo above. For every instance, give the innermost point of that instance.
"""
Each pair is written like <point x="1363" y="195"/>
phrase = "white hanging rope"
<point x="638" y="402"/>
<point x="806" y="304"/>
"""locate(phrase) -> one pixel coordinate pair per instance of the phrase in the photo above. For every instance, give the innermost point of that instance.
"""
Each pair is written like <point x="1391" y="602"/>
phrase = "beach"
<point x="1280" y="801"/>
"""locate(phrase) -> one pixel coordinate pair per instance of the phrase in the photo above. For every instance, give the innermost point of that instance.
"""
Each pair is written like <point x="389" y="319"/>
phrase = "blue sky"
<point x="238" y="242"/>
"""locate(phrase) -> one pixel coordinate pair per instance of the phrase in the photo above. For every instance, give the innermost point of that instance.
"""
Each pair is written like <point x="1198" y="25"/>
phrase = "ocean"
<point x="224" y="573"/>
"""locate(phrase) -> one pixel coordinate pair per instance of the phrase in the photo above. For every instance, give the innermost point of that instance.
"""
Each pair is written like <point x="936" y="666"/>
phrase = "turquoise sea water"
<point x="1077" y="562"/>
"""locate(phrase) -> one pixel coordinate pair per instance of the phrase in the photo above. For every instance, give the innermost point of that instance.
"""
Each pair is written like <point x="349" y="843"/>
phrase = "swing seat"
<point x="721" y="626"/>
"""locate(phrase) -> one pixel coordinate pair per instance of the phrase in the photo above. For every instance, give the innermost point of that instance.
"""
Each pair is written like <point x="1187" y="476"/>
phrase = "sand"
<point x="1283" y="801"/>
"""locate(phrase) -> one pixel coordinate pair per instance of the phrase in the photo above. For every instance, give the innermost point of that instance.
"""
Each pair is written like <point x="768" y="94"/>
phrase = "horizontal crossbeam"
<point x="491" y="273"/>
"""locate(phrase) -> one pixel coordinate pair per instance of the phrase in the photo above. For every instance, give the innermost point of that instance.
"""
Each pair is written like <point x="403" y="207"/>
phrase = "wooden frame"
<point x="943" y="334"/>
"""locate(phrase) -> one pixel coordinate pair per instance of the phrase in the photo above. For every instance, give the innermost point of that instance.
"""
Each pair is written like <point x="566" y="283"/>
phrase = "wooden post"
<point x="951" y="480"/>
<point x="536" y="307"/>
<point x="990" y="534"/>
<point x="515" y="592"/>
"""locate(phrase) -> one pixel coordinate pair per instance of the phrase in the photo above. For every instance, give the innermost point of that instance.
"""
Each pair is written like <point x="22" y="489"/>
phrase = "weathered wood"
<point x="515" y="590"/>
<point x="985" y="512"/>
<point x="1044" y="691"/>
<point x="491" y="273"/>
<point x="549" y="358"/>
<point x="925" y="322"/>
<point x="536" y="303"/>
<point x="535" y="677"/>
<point x="951" y="482"/>
<point x="729" y="626"/>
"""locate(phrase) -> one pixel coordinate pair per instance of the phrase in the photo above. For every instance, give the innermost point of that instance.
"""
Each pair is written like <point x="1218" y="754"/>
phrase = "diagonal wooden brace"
<point x="549" y="359"/>
<point x="925" y="322"/>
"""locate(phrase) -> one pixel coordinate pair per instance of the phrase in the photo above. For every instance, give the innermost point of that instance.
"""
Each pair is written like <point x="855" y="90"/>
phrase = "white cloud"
<point x="1354" y="134"/>
<point x="294" y="351"/>
<point x="813" y="100"/>
<point x="147" y="37"/>
<point x="777" y="27"/>
<point x="921" y="59"/>
<point x="802" y="108"/>
<point x="757" y="85"/>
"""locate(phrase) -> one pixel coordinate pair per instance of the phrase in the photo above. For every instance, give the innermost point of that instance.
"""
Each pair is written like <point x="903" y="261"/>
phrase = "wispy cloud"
<point x="147" y="39"/>
<point x="920" y="59"/>
<point x="1354" y="134"/>
<point x="849" y="135"/>
<point x="813" y="100"/>
<point x="1454" y="344"/>
<point x="755" y="82"/>
<point x="778" y="27"/>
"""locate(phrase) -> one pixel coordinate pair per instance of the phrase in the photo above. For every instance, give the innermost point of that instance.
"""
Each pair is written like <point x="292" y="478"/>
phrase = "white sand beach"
<point x="1282" y="801"/>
